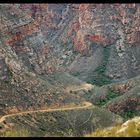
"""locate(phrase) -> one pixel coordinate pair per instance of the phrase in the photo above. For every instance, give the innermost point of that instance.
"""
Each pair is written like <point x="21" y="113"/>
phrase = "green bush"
<point x="128" y="114"/>
<point x="9" y="75"/>
<point x="110" y="95"/>
<point x="76" y="73"/>
<point x="100" y="80"/>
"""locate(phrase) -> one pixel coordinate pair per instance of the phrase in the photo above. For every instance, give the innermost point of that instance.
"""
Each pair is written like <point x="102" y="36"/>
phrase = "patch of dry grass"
<point x="129" y="129"/>
<point x="15" y="133"/>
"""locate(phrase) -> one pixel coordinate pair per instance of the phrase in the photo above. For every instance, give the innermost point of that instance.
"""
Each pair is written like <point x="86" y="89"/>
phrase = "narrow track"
<point x="85" y="105"/>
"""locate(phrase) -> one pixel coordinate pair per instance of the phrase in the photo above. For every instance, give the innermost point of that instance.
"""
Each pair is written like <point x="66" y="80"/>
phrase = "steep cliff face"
<point x="86" y="27"/>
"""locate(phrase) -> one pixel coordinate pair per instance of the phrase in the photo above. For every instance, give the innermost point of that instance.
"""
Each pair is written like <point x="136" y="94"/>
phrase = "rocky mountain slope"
<point x="55" y="31"/>
<point x="88" y="28"/>
<point x="67" y="123"/>
<point x="50" y="54"/>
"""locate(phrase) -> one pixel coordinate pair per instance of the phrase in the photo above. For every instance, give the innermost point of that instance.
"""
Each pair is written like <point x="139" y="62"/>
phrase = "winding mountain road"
<point x="85" y="105"/>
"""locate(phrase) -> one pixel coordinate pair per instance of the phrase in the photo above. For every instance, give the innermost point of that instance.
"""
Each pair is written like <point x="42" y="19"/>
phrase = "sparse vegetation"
<point x="67" y="123"/>
<point x="101" y="79"/>
<point x="125" y="105"/>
